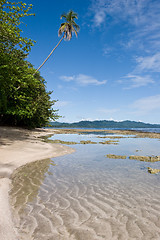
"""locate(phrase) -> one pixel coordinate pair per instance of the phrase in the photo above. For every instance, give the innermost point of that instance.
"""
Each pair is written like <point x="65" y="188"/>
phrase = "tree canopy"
<point x="24" y="100"/>
<point x="69" y="26"/>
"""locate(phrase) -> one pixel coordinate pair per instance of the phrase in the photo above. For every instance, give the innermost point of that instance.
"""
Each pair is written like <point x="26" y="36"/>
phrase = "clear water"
<point x="86" y="195"/>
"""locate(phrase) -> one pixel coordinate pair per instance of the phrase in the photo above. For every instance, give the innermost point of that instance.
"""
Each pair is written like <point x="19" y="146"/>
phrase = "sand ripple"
<point x="51" y="203"/>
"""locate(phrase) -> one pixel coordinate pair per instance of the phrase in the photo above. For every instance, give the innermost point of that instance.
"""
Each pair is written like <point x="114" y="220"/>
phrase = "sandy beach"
<point x="17" y="148"/>
<point x="84" y="196"/>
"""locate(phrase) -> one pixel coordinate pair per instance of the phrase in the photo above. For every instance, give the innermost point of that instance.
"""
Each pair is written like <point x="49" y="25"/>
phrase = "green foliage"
<point x="69" y="26"/>
<point x="24" y="100"/>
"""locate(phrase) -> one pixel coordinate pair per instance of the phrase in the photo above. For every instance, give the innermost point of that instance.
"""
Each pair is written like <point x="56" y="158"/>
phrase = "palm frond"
<point x="75" y="31"/>
<point x="74" y="15"/>
<point x="62" y="29"/>
<point x="76" y="26"/>
<point x="64" y="15"/>
<point x="69" y="26"/>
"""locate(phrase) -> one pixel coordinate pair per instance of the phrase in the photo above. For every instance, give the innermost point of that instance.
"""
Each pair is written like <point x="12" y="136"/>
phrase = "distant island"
<point x="104" y="124"/>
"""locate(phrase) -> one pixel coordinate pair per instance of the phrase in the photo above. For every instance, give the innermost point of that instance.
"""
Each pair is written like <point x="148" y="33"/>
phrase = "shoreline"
<point x="20" y="146"/>
<point x="139" y="134"/>
<point x="17" y="148"/>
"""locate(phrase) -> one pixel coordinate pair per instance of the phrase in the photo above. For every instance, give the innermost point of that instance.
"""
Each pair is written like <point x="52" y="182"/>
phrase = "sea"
<point x="88" y="195"/>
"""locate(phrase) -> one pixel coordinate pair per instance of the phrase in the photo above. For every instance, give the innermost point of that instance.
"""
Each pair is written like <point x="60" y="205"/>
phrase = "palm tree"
<point x="66" y="29"/>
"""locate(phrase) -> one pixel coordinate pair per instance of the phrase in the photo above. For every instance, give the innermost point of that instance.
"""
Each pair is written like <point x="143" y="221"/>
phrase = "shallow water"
<point x="87" y="196"/>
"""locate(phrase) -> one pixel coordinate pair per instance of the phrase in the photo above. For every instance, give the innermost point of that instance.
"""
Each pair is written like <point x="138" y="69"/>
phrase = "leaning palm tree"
<point x="66" y="29"/>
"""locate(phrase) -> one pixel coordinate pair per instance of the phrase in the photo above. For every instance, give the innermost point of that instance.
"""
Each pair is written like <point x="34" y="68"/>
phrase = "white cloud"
<point x="136" y="81"/>
<point x="83" y="80"/>
<point x="146" y="105"/>
<point x="149" y="63"/>
<point x="137" y="12"/>
<point x="123" y="9"/>
<point x="67" y="78"/>
<point x="87" y="119"/>
<point x="143" y="17"/>
<point x="62" y="103"/>
<point x="107" y="51"/>
<point x="99" y="17"/>
<point x="141" y="75"/>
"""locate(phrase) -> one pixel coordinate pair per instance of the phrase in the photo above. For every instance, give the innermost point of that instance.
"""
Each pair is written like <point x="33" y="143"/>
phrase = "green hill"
<point x="104" y="124"/>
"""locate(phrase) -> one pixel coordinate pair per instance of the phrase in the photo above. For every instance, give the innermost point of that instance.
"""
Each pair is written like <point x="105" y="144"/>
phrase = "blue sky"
<point x="112" y="70"/>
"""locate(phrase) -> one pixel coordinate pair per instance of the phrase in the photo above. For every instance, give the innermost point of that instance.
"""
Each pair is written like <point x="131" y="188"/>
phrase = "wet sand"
<point x="95" y="206"/>
<point x="19" y="147"/>
<point x="88" y="196"/>
<point x="66" y="202"/>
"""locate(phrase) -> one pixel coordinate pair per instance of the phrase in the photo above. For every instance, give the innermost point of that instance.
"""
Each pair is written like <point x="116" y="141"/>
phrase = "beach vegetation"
<point x="24" y="100"/>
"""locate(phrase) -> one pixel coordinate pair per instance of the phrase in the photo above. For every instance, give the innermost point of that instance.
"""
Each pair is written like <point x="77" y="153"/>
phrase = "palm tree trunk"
<point x="49" y="55"/>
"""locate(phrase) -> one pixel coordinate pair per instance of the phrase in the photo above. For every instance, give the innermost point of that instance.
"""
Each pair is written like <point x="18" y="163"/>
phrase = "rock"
<point x="153" y="171"/>
<point x="145" y="158"/>
<point x="87" y="142"/>
<point x="109" y="142"/>
<point x="116" y="156"/>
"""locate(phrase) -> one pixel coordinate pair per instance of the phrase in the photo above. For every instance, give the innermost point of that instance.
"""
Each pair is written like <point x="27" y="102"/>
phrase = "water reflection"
<point x="27" y="180"/>
<point x="89" y="196"/>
